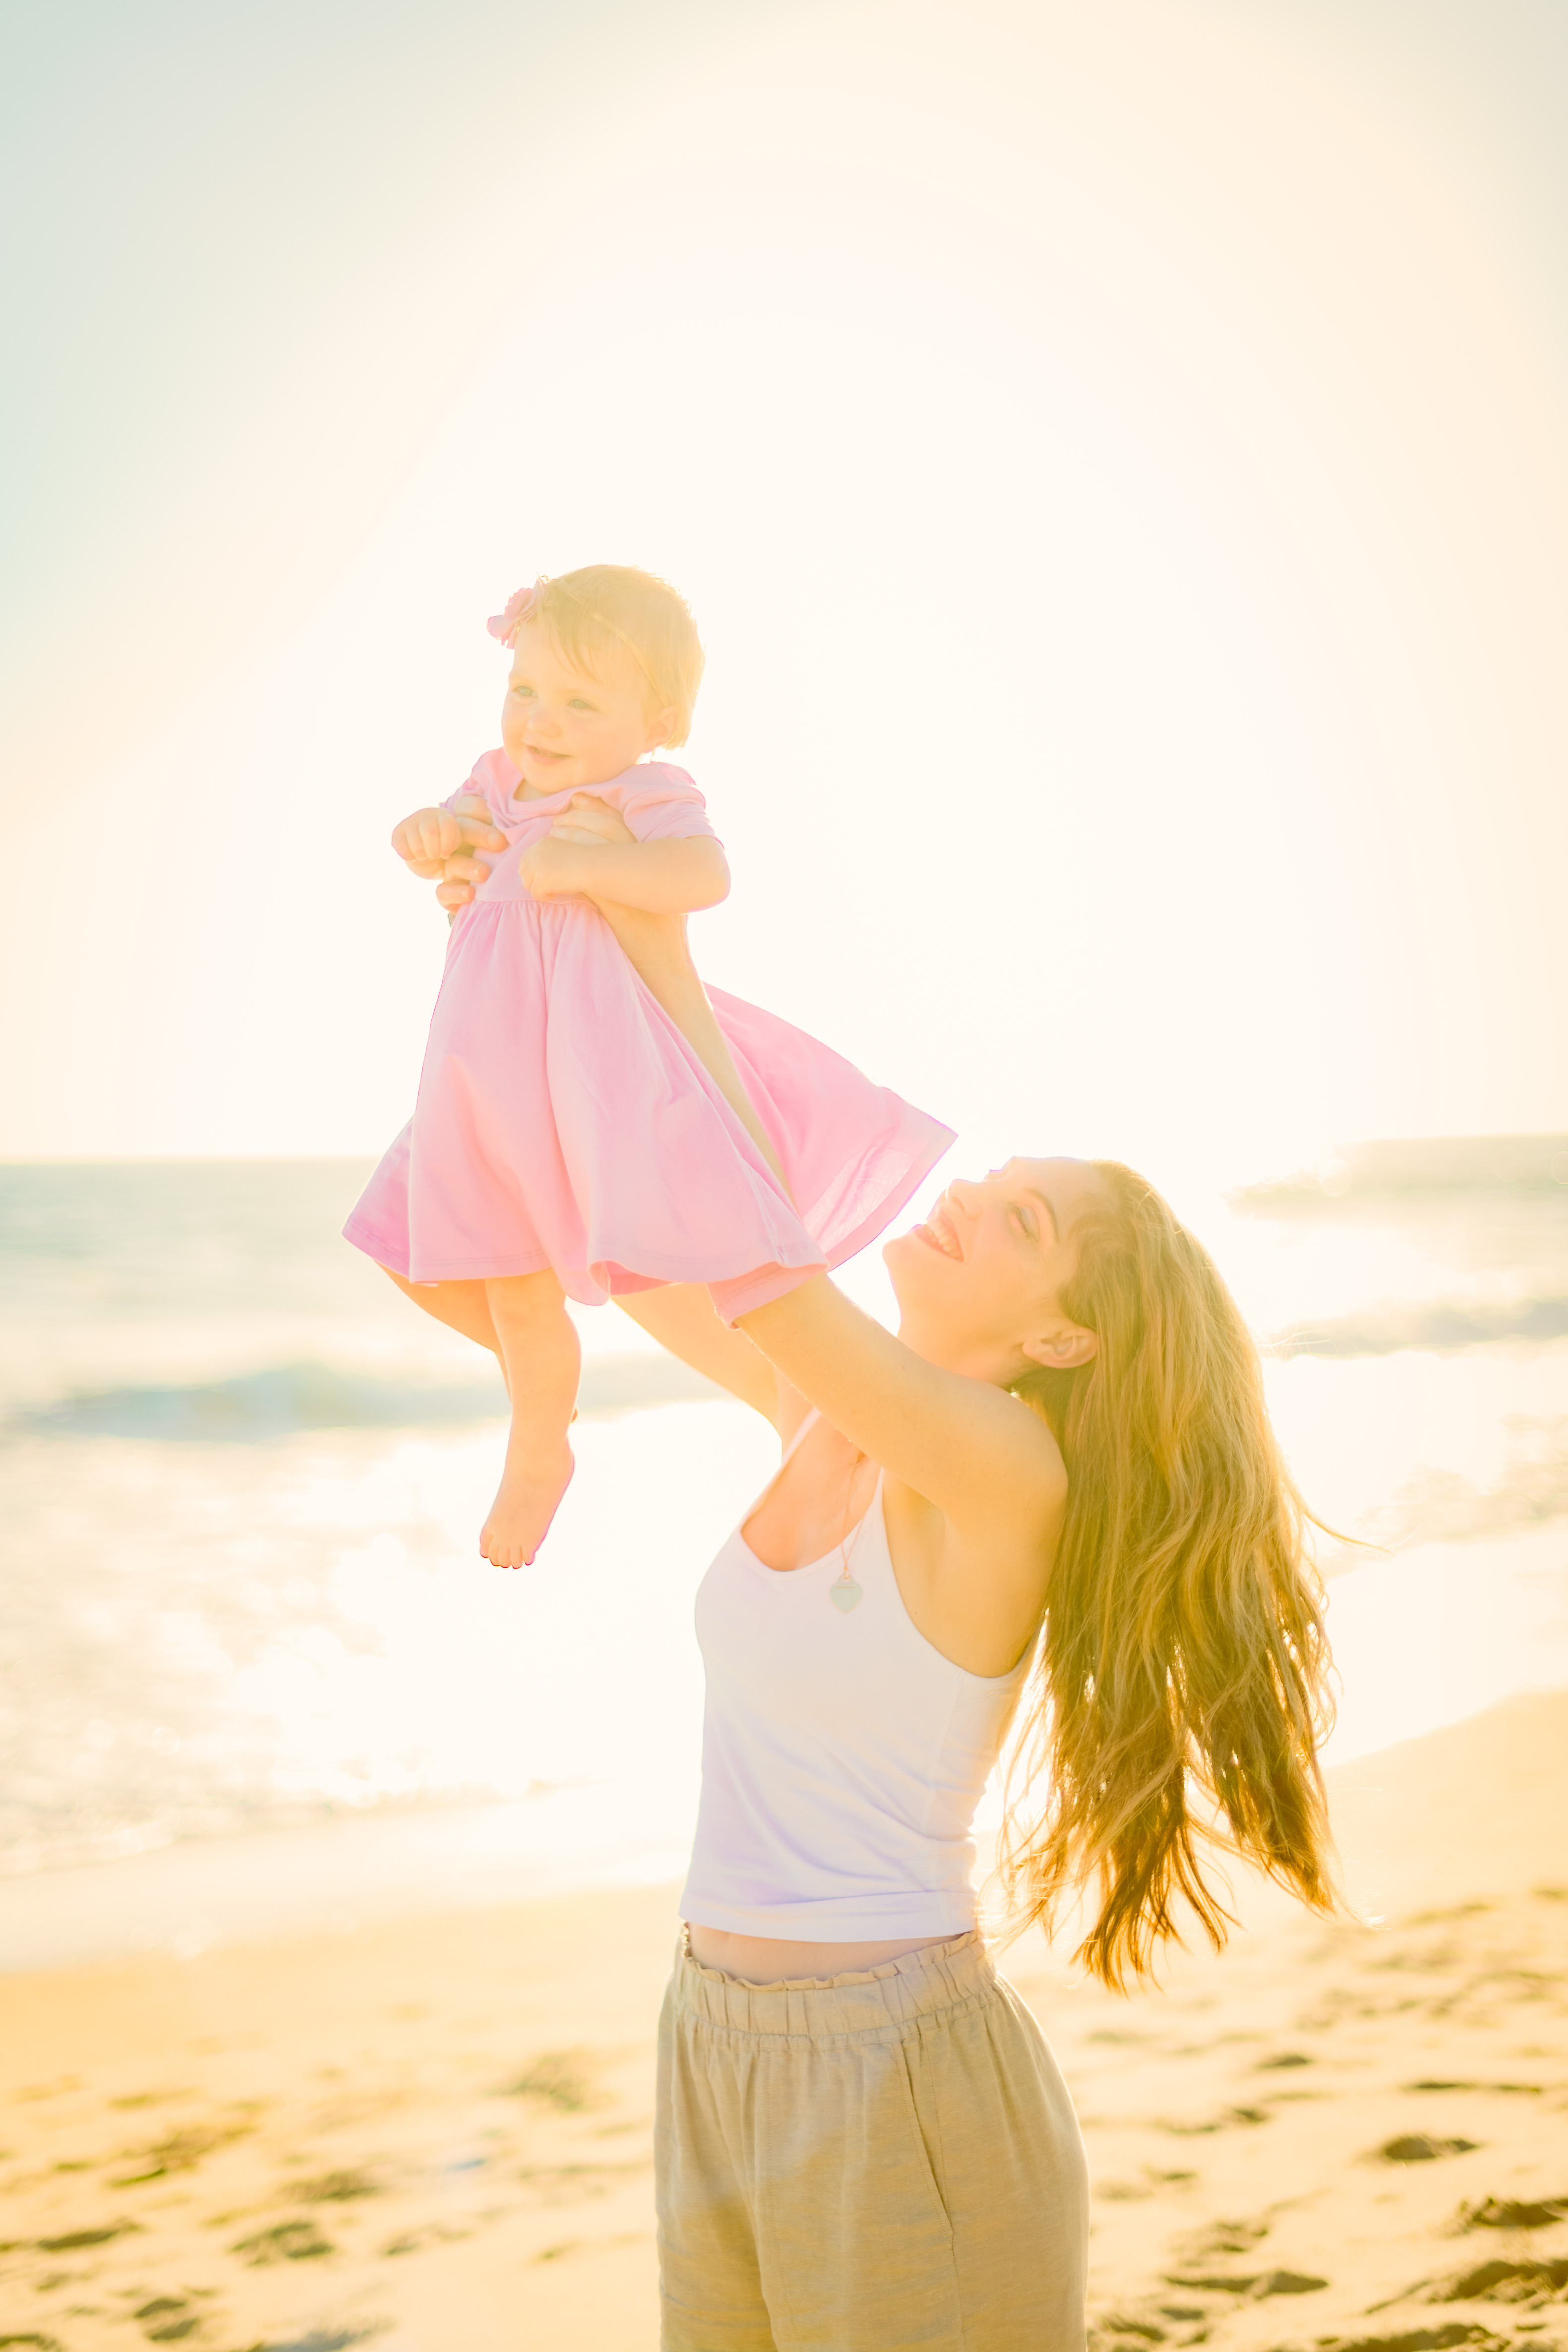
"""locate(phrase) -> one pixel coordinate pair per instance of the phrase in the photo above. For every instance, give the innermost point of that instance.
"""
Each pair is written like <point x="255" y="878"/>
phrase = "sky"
<point x="1115" y="456"/>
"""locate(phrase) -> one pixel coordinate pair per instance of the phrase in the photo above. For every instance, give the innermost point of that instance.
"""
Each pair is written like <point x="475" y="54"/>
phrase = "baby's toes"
<point x="504" y="1549"/>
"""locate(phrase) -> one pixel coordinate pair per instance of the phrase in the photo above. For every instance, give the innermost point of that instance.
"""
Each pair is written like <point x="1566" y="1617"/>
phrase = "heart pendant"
<point x="845" y="1595"/>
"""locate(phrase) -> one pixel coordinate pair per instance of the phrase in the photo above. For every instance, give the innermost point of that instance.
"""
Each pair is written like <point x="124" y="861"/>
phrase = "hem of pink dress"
<point x="590" y="1286"/>
<point x="734" y="1294"/>
<point x="746" y="1292"/>
<point x="378" y="1246"/>
<point x="399" y="1261"/>
<point x="887" y="1208"/>
<point x="742" y="1292"/>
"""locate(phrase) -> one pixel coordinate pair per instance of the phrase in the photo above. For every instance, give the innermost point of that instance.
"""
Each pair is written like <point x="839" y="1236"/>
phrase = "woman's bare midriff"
<point x="761" y="1959"/>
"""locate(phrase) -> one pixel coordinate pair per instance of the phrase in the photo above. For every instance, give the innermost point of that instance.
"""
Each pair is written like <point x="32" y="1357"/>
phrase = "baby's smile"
<point x="561" y="729"/>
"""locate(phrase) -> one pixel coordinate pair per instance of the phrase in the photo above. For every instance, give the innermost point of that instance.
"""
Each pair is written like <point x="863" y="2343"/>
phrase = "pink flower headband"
<point x="519" y="608"/>
<point x="523" y="606"/>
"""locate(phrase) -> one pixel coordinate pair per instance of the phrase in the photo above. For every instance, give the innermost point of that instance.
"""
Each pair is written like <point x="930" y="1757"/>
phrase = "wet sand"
<point x="436" y="2132"/>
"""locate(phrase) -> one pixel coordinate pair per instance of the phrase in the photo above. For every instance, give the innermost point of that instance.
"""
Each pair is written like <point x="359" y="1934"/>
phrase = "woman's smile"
<point x="938" y="1233"/>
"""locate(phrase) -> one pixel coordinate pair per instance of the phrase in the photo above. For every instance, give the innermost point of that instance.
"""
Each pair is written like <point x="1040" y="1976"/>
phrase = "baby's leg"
<point x="537" y="1343"/>
<point x="462" y="1305"/>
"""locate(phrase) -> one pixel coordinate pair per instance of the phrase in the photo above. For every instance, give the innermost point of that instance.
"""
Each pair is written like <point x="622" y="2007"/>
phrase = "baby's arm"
<point x="583" y="859"/>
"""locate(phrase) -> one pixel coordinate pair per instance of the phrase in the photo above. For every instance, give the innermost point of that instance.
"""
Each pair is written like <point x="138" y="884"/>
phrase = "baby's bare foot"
<point x="526" y="1501"/>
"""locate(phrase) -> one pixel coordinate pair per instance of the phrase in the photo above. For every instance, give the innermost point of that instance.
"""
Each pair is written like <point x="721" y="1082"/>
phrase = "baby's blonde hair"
<point x="599" y="614"/>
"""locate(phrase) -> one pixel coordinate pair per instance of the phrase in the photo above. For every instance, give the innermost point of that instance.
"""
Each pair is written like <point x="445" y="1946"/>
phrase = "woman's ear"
<point x="1064" y="1349"/>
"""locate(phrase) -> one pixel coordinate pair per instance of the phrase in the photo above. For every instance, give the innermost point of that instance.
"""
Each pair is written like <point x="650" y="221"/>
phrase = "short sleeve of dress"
<point x="662" y="803"/>
<point x="492" y="779"/>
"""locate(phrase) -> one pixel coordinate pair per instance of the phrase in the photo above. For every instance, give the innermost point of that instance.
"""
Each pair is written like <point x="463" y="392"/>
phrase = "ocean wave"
<point x="283" y="1400"/>
<point x="1406" y="1166"/>
<point x="1435" y="1323"/>
<point x="1441" y="1505"/>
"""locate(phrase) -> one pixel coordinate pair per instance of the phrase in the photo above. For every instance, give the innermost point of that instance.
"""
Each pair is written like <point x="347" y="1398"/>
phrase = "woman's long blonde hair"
<point x="1182" y="1657"/>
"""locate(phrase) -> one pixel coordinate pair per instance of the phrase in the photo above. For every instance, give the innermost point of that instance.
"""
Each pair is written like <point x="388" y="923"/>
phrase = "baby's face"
<point x="563" y="730"/>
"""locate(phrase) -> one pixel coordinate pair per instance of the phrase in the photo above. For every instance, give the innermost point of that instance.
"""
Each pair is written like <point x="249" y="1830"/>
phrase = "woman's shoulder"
<point x="1015" y="1484"/>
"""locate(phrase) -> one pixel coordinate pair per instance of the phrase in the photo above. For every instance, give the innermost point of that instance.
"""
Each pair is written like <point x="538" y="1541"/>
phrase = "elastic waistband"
<point x="886" y="2000"/>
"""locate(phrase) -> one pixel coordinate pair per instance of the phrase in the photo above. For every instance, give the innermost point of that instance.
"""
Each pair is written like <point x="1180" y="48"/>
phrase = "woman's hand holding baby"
<point x="590" y="852"/>
<point x="649" y="929"/>
<point x="552" y="869"/>
<point x="587" y="818"/>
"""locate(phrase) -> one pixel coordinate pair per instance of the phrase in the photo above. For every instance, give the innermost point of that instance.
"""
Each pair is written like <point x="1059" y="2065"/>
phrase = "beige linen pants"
<point x="866" y="2163"/>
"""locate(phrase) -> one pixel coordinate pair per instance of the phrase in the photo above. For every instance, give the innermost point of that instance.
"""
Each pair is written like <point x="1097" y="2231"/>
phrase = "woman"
<point x="1055" y="1496"/>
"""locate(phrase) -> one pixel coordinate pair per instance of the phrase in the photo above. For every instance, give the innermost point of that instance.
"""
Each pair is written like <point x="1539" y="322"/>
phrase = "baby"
<point x="578" y="1131"/>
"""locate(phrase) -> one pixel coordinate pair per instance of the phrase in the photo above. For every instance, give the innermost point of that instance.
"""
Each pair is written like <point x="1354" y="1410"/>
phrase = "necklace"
<point x="844" y="1592"/>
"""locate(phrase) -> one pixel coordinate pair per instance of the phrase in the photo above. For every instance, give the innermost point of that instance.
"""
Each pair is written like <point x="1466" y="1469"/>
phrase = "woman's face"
<point x="978" y="1283"/>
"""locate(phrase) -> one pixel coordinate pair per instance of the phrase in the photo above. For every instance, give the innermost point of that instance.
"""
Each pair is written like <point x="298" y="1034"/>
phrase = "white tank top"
<point x="842" y="1756"/>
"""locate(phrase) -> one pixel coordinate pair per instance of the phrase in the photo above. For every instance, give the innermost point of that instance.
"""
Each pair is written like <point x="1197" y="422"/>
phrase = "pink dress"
<point x="563" y="1120"/>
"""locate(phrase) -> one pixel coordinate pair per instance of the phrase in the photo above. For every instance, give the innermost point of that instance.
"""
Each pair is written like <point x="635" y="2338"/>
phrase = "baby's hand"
<point x="432" y="839"/>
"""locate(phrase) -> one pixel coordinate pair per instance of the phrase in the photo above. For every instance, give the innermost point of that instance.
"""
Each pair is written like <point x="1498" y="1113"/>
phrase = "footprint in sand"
<point x="429" y="2233"/>
<point x="331" y="2339"/>
<point x="287" y="2241"/>
<point x="1503" y="2282"/>
<point x="1413" y="2339"/>
<point x="1513" y="2213"/>
<point x="1131" y="2192"/>
<point x="1518" y="2090"/>
<point x="1420" y="2148"/>
<point x="180" y="2151"/>
<point x="1221" y="2238"/>
<point x="168" y="2318"/>
<point x="1232" y="2115"/>
<point x="557" y="2078"/>
<point x="1260" y="2285"/>
<point x="334" y="2188"/>
<point x="72" y="2243"/>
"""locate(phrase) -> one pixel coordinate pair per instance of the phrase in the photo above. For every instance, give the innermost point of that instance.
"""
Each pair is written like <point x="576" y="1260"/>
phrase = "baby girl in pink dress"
<point x="573" y="1137"/>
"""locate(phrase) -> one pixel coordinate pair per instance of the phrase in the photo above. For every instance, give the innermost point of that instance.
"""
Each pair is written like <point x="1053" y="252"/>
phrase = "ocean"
<point x="254" y="1669"/>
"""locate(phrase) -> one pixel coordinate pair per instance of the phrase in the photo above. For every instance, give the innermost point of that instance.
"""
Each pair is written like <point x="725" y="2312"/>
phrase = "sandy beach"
<point x="438" y="2131"/>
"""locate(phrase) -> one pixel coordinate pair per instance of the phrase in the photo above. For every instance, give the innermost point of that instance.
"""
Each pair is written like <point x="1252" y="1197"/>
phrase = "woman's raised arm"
<point x="978" y="1454"/>
<point x="681" y="1316"/>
